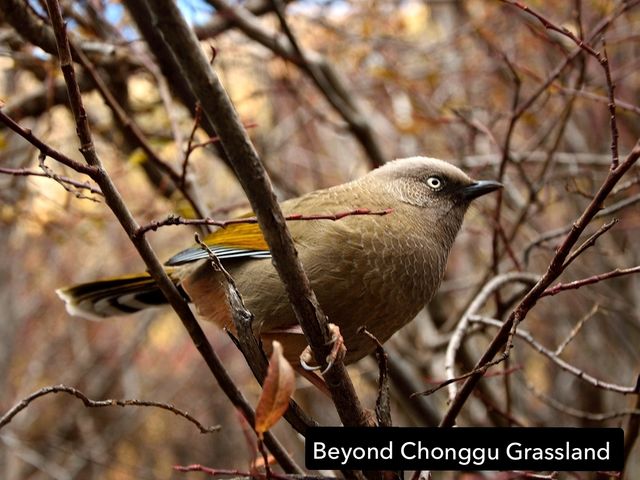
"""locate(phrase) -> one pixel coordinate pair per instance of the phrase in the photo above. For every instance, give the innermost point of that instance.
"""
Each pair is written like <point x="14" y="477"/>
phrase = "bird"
<point x="371" y="271"/>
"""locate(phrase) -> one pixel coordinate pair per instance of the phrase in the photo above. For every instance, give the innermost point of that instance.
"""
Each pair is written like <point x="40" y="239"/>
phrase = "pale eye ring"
<point x="435" y="183"/>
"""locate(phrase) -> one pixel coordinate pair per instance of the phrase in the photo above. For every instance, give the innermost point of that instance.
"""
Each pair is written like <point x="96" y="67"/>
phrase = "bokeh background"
<point x="439" y="78"/>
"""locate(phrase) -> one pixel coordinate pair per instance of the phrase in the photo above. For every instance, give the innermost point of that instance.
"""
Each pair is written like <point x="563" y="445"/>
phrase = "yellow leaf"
<point x="276" y="391"/>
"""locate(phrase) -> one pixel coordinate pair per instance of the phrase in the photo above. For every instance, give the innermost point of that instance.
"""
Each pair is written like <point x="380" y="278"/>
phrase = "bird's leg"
<point x="338" y="351"/>
<point x="313" y="378"/>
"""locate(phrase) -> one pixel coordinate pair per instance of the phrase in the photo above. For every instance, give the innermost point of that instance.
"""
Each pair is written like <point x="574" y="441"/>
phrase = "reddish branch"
<point x="177" y="220"/>
<point x="553" y="356"/>
<point x="561" y="287"/>
<point x="555" y="268"/>
<point x="601" y="58"/>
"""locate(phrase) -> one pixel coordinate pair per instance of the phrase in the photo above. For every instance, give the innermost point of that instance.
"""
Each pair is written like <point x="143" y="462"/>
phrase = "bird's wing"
<point x="236" y="240"/>
<point x="245" y="240"/>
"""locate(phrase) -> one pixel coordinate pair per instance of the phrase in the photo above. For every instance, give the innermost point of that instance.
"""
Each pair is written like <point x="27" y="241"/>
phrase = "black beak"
<point x="479" y="188"/>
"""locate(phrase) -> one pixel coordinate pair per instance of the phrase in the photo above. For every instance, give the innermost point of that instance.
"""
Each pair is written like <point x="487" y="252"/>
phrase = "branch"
<point x="23" y="172"/>
<point x="116" y="203"/>
<point x="561" y="287"/>
<point x="172" y="220"/>
<point x="217" y="107"/>
<point x="574" y="412"/>
<point x="555" y="268"/>
<point x="25" y="402"/>
<point x="249" y="345"/>
<point x="46" y="149"/>
<point x="313" y="65"/>
<point x="463" y="324"/>
<point x="567" y="367"/>
<point x="35" y="30"/>
<point x="214" y="472"/>
<point x="622" y="7"/>
<point x="130" y="126"/>
<point x="602" y="59"/>
<point x="550" y="235"/>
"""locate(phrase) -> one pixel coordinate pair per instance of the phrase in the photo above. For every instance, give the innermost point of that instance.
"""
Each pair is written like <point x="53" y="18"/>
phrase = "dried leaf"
<point x="276" y="391"/>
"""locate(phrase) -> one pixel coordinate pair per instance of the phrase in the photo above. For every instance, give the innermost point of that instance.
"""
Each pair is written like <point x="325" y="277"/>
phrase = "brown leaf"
<point x="277" y="389"/>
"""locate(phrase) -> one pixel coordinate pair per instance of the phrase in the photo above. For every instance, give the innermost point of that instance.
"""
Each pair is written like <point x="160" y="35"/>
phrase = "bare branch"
<point x="129" y="224"/>
<point x="23" y="172"/>
<point x="561" y="287"/>
<point x="567" y="367"/>
<point x="463" y="324"/>
<point x="46" y="149"/>
<point x="218" y="109"/>
<point x="173" y="220"/>
<point x="25" y="402"/>
<point x="554" y="269"/>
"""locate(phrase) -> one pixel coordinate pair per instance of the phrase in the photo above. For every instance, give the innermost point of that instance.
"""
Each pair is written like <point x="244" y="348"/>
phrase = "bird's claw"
<point x="338" y="351"/>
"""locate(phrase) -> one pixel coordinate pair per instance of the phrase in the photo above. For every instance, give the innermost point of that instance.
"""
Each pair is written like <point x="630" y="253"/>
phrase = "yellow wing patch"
<point x="238" y="235"/>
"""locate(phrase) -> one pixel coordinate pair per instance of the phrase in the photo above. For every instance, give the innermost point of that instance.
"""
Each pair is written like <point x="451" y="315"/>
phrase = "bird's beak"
<point x="479" y="188"/>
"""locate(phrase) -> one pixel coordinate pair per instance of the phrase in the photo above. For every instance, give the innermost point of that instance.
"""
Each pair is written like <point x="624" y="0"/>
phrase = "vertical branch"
<point x="116" y="203"/>
<point x="613" y="123"/>
<point x="218" y="108"/>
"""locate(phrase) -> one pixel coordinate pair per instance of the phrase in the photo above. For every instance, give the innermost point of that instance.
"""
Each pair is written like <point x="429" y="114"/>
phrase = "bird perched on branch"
<point x="375" y="271"/>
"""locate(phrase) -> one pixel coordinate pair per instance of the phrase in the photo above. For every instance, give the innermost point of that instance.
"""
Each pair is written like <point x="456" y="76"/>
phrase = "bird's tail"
<point x="114" y="296"/>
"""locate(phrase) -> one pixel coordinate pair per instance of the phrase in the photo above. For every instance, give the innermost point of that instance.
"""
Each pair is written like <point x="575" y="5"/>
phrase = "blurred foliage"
<point x="433" y="78"/>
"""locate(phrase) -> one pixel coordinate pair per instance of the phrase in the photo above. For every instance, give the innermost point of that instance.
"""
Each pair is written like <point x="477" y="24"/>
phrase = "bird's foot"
<point x="338" y="351"/>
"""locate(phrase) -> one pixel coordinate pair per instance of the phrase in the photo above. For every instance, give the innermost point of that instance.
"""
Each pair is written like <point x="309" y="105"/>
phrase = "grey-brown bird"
<point x="371" y="271"/>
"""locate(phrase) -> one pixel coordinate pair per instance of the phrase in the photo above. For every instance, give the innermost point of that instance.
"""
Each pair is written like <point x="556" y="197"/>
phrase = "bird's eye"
<point x="435" y="183"/>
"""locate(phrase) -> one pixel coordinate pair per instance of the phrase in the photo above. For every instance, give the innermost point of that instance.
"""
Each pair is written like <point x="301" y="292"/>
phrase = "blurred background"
<point x="478" y="83"/>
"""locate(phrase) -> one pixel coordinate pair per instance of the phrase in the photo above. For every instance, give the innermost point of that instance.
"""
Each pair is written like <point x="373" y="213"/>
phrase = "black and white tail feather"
<point x="132" y="293"/>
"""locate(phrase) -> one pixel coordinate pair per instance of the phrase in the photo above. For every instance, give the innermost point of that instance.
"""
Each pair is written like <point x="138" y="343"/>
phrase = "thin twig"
<point x="463" y="324"/>
<point x="187" y="154"/>
<point x="567" y="367"/>
<point x="46" y="149"/>
<point x="574" y="331"/>
<point x="589" y="242"/>
<point x="554" y="270"/>
<point x="172" y="220"/>
<point x="558" y="232"/>
<point x="23" y="172"/>
<point x="383" y="403"/>
<point x="561" y="287"/>
<point x="601" y="58"/>
<point x="25" y="402"/>
<point x="574" y="412"/>
<point x="54" y="176"/>
<point x="214" y="472"/>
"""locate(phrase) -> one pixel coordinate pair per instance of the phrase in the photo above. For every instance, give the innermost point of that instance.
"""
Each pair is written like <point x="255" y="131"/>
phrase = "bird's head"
<point x="432" y="183"/>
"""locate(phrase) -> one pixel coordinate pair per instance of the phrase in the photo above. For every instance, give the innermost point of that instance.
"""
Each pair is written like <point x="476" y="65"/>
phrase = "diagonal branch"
<point x="555" y="268"/>
<point x="217" y="107"/>
<point x="121" y="211"/>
